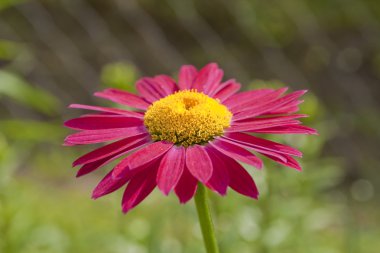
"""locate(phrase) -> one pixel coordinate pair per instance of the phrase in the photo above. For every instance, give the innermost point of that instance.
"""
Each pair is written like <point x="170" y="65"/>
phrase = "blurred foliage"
<point x="119" y="75"/>
<point x="7" y="3"/>
<point x="18" y="89"/>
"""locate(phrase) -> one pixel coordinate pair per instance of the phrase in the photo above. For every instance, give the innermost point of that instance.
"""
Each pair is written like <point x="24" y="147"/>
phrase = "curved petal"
<point x="236" y="152"/>
<point x="171" y="169"/>
<point x="108" y="110"/>
<point x="167" y="84"/>
<point x="262" y="123"/>
<point x="240" y="180"/>
<point x="108" y="184"/>
<point x="258" y="102"/>
<point x="123" y="97"/>
<point x="254" y="111"/>
<point x="138" y="188"/>
<point x="109" y="150"/>
<point x="226" y="90"/>
<point x="142" y="157"/>
<point x="288" y="129"/>
<point x="150" y="89"/>
<point x="199" y="163"/>
<point x="262" y="144"/>
<point x="186" y="186"/>
<point x="91" y="166"/>
<point x="187" y="75"/>
<point x="219" y="179"/>
<point x="91" y="122"/>
<point x="208" y="78"/>
<point x="290" y="161"/>
<point x="245" y="97"/>
<point x="102" y="135"/>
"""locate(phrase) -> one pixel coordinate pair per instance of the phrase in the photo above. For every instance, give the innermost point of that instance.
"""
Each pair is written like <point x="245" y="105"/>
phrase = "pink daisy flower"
<point x="180" y="133"/>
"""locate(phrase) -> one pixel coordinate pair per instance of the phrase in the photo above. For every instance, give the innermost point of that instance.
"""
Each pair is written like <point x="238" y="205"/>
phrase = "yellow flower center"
<point x="187" y="118"/>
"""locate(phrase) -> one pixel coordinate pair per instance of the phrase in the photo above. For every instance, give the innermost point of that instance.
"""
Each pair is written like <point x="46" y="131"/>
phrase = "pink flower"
<point x="181" y="133"/>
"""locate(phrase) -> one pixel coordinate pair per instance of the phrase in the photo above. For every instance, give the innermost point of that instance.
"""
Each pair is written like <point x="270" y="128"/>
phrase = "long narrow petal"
<point x="124" y="98"/>
<point x="103" y="135"/>
<point x="263" y="144"/>
<point x="150" y="89"/>
<point x="199" y="163"/>
<point x="186" y="186"/>
<point x="261" y="123"/>
<point x="187" y="75"/>
<point x="254" y="148"/>
<point x="91" y="166"/>
<point x="208" y="78"/>
<point x="142" y="157"/>
<point x="258" y="102"/>
<point x="226" y="90"/>
<point x="138" y="188"/>
<point x="240" y="180"/>
<point x="290" y="162"/>
<point x="288" y="129"/>
<point x="167" y="83"/>
<point x="108" y="110"/>
<point x="245" y="97"/>
<point x="220" y="178"/>
<point x="108" y="184"/>
<point x="236" y="152"/>
<point x="171" y="169"/>
<point x="109" y="150"/>
<point x="261" y="110"/>
<point x="103" y="122"/>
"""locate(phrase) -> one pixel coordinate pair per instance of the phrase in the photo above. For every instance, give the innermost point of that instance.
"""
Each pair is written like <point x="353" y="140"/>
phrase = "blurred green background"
<point x="57" y="52"/>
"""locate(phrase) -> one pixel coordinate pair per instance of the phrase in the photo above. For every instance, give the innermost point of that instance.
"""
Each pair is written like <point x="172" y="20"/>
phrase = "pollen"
<point x="186" y="118"/>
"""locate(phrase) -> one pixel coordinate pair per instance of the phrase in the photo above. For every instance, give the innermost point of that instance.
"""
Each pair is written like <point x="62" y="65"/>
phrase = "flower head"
<point x="181" y="133"/>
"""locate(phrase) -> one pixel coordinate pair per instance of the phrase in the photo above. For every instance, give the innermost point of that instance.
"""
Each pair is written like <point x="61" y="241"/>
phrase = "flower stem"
<point x="205" y="220"/>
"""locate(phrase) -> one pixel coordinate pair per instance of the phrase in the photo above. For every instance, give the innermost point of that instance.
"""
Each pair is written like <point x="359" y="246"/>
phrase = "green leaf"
<point x="15" y="87"/>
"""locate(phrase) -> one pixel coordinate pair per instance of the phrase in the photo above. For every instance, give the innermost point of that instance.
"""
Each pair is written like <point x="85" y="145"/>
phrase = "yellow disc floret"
<point x="187" y="118"/>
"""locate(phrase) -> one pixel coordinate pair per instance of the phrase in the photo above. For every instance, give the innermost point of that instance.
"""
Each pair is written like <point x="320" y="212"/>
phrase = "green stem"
<point x="205" y="220"/>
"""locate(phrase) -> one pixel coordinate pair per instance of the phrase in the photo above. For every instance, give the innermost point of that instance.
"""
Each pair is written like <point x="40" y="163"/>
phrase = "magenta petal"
<point x="108" y="110"/>
<point x="240" y="180"/>
<point x="254" y="111"/>
<point x="91" y="166"/>
<point x="150" y="89"/>
<point x="142" y="157"/>
<point x="220" y="179"/>
<point x="199" y="163"/>
<point x="167" y="84"/>
<point x="258" y="102"/>
<point x="208" y="78"/>
<point x="186" y="186"/>
<point x="103" y="122"/>
<point x="255" y="148"/>
<point x="171" y="169"/>
<point x="262" y="123"/>
<point x="187" y="75"/>
<point x="288" y="108"/>
<point x="290" y="162"/>
<point x="226" y="90"/>
<point x="234" y="151"/>
<point x="245" y="97"/>
<point x="263" y="144"/>
<point x="110" y="149"/>
<point x="124" y="98"/>
<point x="138" y="188"/>
<point x="108" y="184"/>
<point x="288" y="129"/>
<point x="102" y="135"/>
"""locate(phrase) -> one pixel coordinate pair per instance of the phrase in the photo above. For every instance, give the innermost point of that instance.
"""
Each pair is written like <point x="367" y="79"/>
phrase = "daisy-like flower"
<point x="180" y="133"/>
